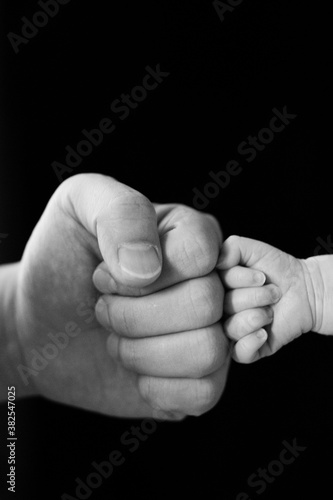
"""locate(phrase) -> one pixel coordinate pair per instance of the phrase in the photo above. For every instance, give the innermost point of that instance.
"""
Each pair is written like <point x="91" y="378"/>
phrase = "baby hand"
<point x="265" y="288"/>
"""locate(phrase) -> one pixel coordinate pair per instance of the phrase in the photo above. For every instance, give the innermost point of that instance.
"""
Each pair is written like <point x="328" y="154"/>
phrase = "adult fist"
<point x="169" y="332"/>
<point x="92" y="219"/>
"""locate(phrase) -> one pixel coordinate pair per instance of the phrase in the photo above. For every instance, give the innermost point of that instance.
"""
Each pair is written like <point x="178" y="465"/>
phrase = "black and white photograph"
<point x="166" y="250"/>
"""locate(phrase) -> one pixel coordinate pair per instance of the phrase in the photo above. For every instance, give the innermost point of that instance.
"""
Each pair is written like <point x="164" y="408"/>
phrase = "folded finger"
<point x="186" y="306"/>
<point x="245" y="322"/>
<point x="184" y="395"/>
<point x="191" y="354"/>
<point x="242" y="277"/>
<point x="190" y="243"/>
<point x="247" y="298"/>
<point x="247" y="349"/>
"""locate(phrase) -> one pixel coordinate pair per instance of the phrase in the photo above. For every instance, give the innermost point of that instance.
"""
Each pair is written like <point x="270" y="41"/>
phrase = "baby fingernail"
<point x="261" y="335"/>
<point x="269" y="312"/>
<point x="259" y="278"/>
<point x="276" y="294"/>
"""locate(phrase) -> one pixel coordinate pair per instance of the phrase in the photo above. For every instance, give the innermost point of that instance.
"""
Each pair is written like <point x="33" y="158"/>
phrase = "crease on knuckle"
<point x="199" y="255"/>
<point x="200" y="304"/>
<point x="148" y="392"/>
<point x="207" y="352"/>
<point x="126" y="317"/>
<point x="209" y="301"/>
<point x="132" y="203"/>
<point x="128" y="353"/>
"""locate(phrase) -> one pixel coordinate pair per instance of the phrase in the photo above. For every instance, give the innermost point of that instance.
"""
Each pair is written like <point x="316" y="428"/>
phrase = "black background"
<point x="225" y="78"/>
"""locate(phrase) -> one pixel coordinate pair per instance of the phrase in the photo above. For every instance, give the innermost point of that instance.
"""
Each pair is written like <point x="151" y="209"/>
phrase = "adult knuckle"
<point x="126" y="320"/>
<point x="198" y="247"/>
<point x="204" y="254"/>
<point x="208" y="350"/>
<point x="128" y="353"/>
<point x="207" y="299"/>
<point x="200" y="297"/>
<point x="132" y="198"/>
<point x="196" y="256"/>
<point x="148" y="391"/>
<point x="121" y="317"/>
<point x="205" y="395"/>
<point x="131" y="205"/>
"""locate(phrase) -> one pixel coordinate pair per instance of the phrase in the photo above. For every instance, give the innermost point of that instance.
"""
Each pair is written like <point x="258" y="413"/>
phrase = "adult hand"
<point x="166" y="351"/>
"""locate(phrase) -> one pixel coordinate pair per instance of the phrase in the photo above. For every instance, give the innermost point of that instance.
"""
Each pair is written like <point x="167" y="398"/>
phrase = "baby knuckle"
<point x="236" y="274"/>
<point x="254" y="320"/>
<point x="233" y="241"/>
<point x="240" y="326"/>
<point x="259" y="296"/>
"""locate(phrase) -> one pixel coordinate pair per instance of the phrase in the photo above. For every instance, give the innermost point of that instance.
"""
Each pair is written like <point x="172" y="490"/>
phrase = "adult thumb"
<point x="124" y="223"/>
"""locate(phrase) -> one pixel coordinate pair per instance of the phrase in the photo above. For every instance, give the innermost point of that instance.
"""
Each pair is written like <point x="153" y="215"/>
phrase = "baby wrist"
<point x="318" y="272"/>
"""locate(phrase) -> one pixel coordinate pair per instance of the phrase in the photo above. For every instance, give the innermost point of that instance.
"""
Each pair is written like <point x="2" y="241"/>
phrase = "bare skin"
<point x="159" y="353"/>
<point x="296" y="298"/>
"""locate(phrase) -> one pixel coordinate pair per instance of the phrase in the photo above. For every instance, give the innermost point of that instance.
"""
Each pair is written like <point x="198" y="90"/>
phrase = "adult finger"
<point x="190" y="243"/>
<point x="184" y="395"/>
<point x="190" y="305"/>
<point x="122" y="222"/>
<point x="191" y="354"/>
